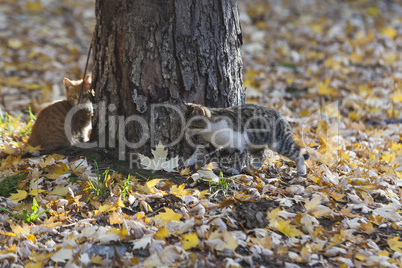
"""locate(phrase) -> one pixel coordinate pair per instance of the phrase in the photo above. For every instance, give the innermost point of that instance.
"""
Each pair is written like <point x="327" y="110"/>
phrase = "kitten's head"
<point x="73" y="89"/>
<point x="197" y="117"/>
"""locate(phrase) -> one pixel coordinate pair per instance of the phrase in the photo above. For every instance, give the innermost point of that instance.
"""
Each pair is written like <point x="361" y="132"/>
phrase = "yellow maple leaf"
<point x="115" y="218"/>
<point x="396" y="147"/>
<point x="313" y="207"/>
<point x="387" y="157"/>
<point x="57" y="170"/>
<point x="307" y="222"/>
<point x="97" y="259"/>
<point x="120" y="232"/>
<point x="9" y="249"/>
<point x="324" y="89"/>
<point x="7" y="234"/>
<point x="356" y="57"/>
<point x="179" y="191"/>
<point x="202" y="194"/>
<point x="169" y="215"/>
<point x="336" y="239"/>
<point x="316" y="27"/>
<point x="119" y="203"/>
<point x="31" y="238"/>
<point x="248" y="83"/>
<point x="15" y="43"/>
<point x="397" y="97"/>
<point x="50" y="160"/>
<point x="29" y="149"/>
<point x="20" y="195"/>
<point x="273" y="216"/>
<point x="347" y="212"/>
<point x="189" y="241"/>
<point x="36" y="191"/>
<point x="337" y="196"/>
<point x="105" y="207"/>
<point x="383" y="253"/>
<point x="211" y="166"/>
<point x="18" y="229"/>
<point x="372" y="11"/>
<point x="365" y="90"/>
<point x="60" y="190"/>
<point x="215" y="235"/>
<point x="313" y="203"/>
<point x="288" y="229"/>
<point x="10" y="148"/>
<point x="355" y="116"/>
<point x="149" y="185"/>
<point x="162" y="233"/>
<point x="360" y="256"/>
<point x="395" y="244"/>
<point x="389" y="32"/>
<point x="34" y="6"/>
<point x="52" y="222"/>
<point x="140" y="215"/>
<point x="230" y="241"/>
<point x="39" y="257"/>
<point x="367" y="228"/>
<point x="389" y="57"/>
<point x="185" y="171"/>
<point x="345" y="156"/>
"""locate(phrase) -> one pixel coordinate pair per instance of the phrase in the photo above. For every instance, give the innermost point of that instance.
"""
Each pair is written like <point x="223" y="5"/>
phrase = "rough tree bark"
<point x="161" y="51"/>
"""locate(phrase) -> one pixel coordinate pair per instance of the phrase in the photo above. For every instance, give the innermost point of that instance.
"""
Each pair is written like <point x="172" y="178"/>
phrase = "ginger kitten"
<point x="246" y="128"/>
<point x="50" y="128"/>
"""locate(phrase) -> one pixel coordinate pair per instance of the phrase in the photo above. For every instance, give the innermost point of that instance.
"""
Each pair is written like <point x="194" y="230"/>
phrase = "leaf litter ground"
<point x="334" y="68"/>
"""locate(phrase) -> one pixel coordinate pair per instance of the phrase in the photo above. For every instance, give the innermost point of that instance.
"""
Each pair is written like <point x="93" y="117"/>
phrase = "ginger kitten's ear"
<point x="88" y="81"/>
<point x="67" y="84"/>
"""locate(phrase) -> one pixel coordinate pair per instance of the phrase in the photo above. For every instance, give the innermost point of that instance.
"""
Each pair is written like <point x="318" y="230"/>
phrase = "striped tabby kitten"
<point x="49" y="129"/>
<point x="246" y="127"/>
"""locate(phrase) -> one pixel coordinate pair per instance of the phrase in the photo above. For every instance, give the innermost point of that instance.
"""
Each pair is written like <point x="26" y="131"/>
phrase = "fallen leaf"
<point x="395" y="244"/>
<point x="179" y="191"/>
<point x="185" y="171"/>
<point x="389" y="32"/>
<point x="189" y="241"/>
<point x="20" y="195"/>
<point x="149" y="185"/>
<point x="143" y="242"/>
<point x="60" y="190"/>
<point x="169" y="215"/>
<point x="63" y="255"/>
<point x="162" y="233"/>
<point x="288" y="229"/>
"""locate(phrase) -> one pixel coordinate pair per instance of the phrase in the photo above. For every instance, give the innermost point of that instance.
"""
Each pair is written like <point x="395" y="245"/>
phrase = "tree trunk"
<point x="149" y="52"/>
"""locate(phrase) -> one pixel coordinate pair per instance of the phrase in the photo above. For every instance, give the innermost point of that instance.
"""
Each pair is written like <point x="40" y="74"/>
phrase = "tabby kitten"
<point x="49" y="130"/>
<point x="247" y="127"/>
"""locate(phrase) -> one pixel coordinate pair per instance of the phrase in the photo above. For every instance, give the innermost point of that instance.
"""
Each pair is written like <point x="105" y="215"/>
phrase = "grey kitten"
<point x="247" y="127"/>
